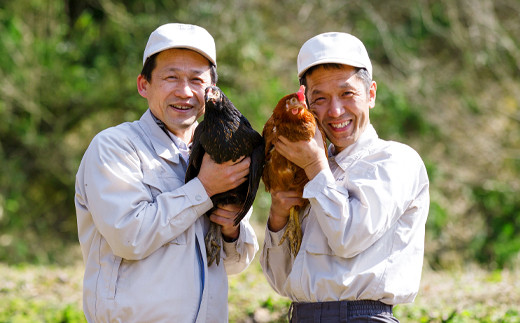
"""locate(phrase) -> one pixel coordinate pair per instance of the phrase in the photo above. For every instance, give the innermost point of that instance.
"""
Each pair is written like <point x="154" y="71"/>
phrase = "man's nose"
<point x="184" y="90"/>
<point x="336" y="108"/>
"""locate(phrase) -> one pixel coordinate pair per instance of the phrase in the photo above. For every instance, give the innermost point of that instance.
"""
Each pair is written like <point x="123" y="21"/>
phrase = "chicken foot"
<point x="293" y="231"/>
<point x="213" y="242"/>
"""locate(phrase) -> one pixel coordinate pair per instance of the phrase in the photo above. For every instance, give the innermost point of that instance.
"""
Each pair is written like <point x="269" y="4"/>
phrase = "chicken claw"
<point x="293" y="232"/>
<point x="213" y="242"/>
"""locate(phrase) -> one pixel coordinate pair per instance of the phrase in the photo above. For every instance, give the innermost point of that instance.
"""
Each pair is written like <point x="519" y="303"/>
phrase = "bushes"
<point x="447" y="80"/>
<point x="498" y="244"/>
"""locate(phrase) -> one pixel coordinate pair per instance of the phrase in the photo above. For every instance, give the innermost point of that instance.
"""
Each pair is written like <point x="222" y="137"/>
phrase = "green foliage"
<point x="437" y="220"/>
<point x="396" y="118"/>
<point x="49" y="77"/>
<point x="53" y="294"/>
<point x="41" y="294"/>
<point x="448" y="85"/>
<point x="28" y="311"/>
<point x="499" y="243"/>
<point x="422" y="315"/>
<point x="250" y="295"/>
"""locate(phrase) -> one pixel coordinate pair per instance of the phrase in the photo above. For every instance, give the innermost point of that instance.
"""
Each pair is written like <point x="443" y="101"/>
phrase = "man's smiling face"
<point x="341" y="102"/>
<point x="175" y="92"/>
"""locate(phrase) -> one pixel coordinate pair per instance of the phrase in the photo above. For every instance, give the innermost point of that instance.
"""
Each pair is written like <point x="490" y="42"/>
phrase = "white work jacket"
<point x="141" y="230"/>
<point x="363" y="232"/>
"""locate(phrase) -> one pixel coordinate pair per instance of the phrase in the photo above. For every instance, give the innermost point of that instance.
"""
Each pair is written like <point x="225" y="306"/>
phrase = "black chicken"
<point x="225" y="134"/>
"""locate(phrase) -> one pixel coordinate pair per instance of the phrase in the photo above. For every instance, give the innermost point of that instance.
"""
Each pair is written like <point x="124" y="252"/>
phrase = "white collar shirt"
<point x="184" y="149"/>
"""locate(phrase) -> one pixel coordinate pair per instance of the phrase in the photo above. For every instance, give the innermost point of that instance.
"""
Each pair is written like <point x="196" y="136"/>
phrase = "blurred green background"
<point x="448" y="76"/>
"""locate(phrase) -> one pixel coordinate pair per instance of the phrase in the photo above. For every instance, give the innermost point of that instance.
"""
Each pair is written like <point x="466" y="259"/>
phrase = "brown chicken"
<point x="292" y="119"/>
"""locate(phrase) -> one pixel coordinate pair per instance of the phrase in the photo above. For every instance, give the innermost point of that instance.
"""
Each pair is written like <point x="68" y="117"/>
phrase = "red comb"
<point x="301" y="93"/>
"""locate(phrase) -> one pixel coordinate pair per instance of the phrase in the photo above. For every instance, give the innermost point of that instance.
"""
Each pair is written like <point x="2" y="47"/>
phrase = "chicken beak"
<point x="212" y="94"/>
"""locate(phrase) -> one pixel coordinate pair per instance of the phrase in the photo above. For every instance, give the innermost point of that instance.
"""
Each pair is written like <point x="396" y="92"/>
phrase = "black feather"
<point x="226" y="135"/>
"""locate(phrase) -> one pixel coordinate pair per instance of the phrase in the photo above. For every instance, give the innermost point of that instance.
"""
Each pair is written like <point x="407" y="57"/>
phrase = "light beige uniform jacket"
<point x="363" y="235"/>
<point x="141" y="231"/>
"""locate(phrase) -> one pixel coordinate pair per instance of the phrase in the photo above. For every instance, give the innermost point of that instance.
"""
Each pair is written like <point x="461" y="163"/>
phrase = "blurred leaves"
<point x="500" y="240"/>
<point x="448" y="77"/>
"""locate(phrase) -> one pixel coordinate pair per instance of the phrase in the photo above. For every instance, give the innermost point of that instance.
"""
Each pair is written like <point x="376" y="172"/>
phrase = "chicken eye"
<point x="293" y="101"/>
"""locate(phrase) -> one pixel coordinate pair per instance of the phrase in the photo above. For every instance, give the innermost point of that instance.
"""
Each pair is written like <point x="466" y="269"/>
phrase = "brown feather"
<point x="279" y="173"/>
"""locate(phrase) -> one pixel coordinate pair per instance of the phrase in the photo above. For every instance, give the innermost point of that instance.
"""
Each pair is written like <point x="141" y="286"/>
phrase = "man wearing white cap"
<point x="363" y="233"/>
<point x="141" y="228"/>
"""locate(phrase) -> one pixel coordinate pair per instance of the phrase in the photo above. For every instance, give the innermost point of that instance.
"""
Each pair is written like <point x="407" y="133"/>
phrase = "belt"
<point x="339" y="309"/>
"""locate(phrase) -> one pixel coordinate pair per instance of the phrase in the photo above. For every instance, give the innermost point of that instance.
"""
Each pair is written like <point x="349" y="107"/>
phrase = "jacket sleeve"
<point x="240" y="253"/>
<point x="369" y="201"/>
<point x="134" y="222"/>
<point x="276" y="260"/>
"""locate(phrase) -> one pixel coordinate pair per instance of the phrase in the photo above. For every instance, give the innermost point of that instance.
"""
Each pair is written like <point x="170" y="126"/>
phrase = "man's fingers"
<point x="239" y="160"/>
<point x="224" y="221"/>
<point x="230" y="213"/>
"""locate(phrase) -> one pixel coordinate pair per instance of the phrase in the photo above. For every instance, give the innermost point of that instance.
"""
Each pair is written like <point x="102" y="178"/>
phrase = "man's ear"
<point x="372" y="95"/>
<point x="142" y="85"/>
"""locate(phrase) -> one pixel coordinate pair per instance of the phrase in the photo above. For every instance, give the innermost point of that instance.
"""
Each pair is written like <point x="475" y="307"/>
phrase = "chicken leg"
<point x="213" y="242"/>
<point x="293" y="231"/>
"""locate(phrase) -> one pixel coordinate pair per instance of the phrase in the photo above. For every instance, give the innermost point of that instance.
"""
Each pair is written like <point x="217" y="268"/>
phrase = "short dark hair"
<point x="361" y="73"/>
<point x="150" y="64"/>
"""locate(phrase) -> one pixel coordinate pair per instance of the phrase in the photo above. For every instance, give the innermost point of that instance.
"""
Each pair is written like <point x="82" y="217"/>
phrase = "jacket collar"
<point x="161" y="142"/>
<point x="356" y="150"/>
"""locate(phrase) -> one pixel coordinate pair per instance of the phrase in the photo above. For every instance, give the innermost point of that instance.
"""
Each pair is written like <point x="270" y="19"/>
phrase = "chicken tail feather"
<point x="255" y="173"/>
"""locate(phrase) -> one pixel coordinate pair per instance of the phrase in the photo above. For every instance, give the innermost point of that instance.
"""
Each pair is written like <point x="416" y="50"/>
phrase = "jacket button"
<point x="198" y="197"/>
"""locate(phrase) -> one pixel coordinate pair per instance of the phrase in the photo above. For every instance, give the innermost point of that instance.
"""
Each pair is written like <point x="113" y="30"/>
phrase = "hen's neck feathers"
<point x="284" y="115"/>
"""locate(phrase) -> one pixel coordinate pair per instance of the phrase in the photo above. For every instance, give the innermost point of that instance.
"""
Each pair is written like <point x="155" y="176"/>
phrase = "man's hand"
<point x="224" y="215"/>
<point x="309" y="155"/>
<point x="281" y="203"/>
<point x="218" y="178"/>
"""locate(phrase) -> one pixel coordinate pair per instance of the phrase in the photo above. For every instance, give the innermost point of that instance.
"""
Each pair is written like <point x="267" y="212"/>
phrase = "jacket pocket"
<point x="114" y="275"/>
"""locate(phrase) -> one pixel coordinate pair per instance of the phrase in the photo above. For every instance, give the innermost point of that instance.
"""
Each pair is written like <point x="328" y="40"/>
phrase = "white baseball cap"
<point x="333" y="47"/>
<point x="176" y="35"/>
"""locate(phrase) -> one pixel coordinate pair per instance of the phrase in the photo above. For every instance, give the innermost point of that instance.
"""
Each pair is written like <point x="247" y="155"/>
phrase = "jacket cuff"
<point x="318" y="184"/>
<point x="196" y="194"/>
<point x="272" y="239"/>
<point x="238" y="247"/>
<point x="229" y="249"/>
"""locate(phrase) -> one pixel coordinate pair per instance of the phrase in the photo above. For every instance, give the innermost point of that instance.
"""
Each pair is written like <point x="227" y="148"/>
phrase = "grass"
<point x="32" y="293"/>
<point x="467" y="295"/>
<point x="462" y="296"/>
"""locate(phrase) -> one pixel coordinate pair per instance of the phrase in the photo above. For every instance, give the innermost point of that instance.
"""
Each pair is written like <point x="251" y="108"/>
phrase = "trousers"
<point x="363" y="311"/>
